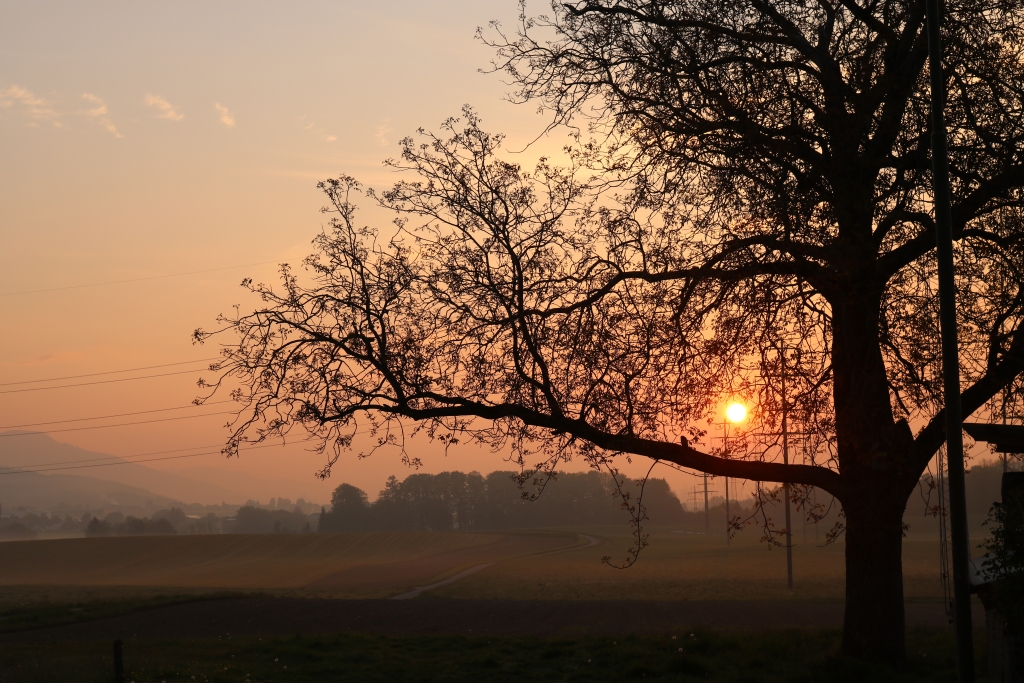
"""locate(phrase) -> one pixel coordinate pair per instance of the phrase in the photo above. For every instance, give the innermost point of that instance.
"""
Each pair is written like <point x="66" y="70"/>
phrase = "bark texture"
<point x="874" y="623"/>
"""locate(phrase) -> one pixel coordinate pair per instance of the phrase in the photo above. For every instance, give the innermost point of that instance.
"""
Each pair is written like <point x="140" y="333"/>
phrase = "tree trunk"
<point x="873" y="453"/>
<point x="874" y="622"/>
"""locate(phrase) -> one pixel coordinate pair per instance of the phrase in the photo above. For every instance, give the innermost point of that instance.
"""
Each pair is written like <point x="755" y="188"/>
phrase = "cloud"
<point x="226" y="117"/>
<point x="319" y="131"/>
<point x="166" y="108"/>
<point x="100" y="114"/>
<point x="382" y="132"/>
<point x="31" y="105"/>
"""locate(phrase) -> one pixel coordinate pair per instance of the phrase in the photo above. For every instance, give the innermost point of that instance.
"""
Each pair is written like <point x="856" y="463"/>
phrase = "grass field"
<point x="790" y="656"/>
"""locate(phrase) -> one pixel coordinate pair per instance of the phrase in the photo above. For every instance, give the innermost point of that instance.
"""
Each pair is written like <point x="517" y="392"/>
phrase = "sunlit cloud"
<point x="100" y="114"/>
<point x="382" y="133"/>
<point x="35" y="108"/>
<point x="166" y="108"/>
<point x="226" y="117"/>
<point x="319" y="131"/>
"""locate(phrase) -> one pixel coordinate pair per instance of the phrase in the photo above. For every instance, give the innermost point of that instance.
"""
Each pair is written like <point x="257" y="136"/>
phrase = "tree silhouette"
<point x="759" y="181"/>
<point x="455" y="501"/>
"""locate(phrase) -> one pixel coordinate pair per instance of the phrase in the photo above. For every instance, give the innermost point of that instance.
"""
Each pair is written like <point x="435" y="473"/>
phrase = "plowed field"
<point x="345" y="565"/>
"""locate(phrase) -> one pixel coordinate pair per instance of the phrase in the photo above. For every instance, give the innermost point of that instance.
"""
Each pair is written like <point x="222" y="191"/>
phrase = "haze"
<point x="171" y="149"/>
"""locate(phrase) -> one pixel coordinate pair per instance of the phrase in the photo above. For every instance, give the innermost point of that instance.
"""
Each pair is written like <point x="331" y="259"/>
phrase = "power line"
<point x="118" y="457"/>
<point x="136" y="279"/>
<point x="105" y="417"/>
<point x="119" y="424"/>
<point x="109" y="372"/>
<point x="129" y="462"/>
<point x="122" y="461"/>
<point x="102" y="381"/>
<point x="108" y="464"/>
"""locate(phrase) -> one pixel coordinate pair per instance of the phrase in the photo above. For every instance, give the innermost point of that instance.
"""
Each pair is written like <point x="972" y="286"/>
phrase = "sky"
<point x="154" y="154"/>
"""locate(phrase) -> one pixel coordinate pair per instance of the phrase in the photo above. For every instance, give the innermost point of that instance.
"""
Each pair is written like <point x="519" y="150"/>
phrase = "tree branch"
<point x="683" y="456"/>
<point x="998" y="376"/>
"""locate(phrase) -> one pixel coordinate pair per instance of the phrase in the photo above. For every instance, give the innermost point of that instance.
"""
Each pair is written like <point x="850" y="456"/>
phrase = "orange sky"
<point x="142" y="140"/>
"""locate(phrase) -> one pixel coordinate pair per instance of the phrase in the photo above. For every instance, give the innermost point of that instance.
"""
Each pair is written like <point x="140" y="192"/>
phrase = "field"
<point x="679" y="566"/>
<point x="777" y="656"/>
<point x="336" y="565"/>
<point x="675" y="566"/>
<point x="534" y="606"/>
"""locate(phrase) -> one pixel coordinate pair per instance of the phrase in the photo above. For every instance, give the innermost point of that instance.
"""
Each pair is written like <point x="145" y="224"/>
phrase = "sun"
<point x="736" y="412"/>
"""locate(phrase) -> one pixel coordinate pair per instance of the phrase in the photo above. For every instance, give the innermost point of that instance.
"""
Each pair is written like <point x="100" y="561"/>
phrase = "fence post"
<point x="118" y="663"/>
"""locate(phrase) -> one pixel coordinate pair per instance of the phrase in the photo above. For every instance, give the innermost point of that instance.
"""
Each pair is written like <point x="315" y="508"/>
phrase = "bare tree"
<point x="760" y="180"/>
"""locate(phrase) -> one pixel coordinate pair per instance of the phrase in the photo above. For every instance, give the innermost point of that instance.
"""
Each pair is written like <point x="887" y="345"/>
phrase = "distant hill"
<point x="27" y="450"/>
<point x="202" y="484"/>
<point x="60" y="493"/>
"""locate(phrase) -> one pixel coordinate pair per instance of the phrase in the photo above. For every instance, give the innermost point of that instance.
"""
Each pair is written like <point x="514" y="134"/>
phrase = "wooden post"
<point x="118" y="663"/>
<point x="961" y="542"/>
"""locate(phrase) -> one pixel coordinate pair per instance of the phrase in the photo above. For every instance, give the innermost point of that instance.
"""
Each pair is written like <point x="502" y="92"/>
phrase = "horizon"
<point x="255" y="490"/>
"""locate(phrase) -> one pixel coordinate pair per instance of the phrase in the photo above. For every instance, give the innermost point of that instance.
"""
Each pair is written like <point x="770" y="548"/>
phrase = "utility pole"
<point x="803" y="461"/>
<point x="728" y="541"/>
<point x="785" y="460"/>
<point x="736" y="412"/>
<point x="803" y="524"/>
<point x="950" y="351"/>
<point x="725" y="447"/>
<point x="707" y="515"/>
<point x="814" y="502"/>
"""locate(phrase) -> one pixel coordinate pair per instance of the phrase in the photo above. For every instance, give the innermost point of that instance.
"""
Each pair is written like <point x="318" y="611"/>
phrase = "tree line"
<point x="249" y="519"/>
<point x="456" y="501"/>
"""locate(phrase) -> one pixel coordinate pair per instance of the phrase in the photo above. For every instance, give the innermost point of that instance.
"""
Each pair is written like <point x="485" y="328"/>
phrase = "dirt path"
<point x="407" y="573"/>
<point x="591" y="542"/>
<point x="419" y="590"/>
<point x="293" y="616"/>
